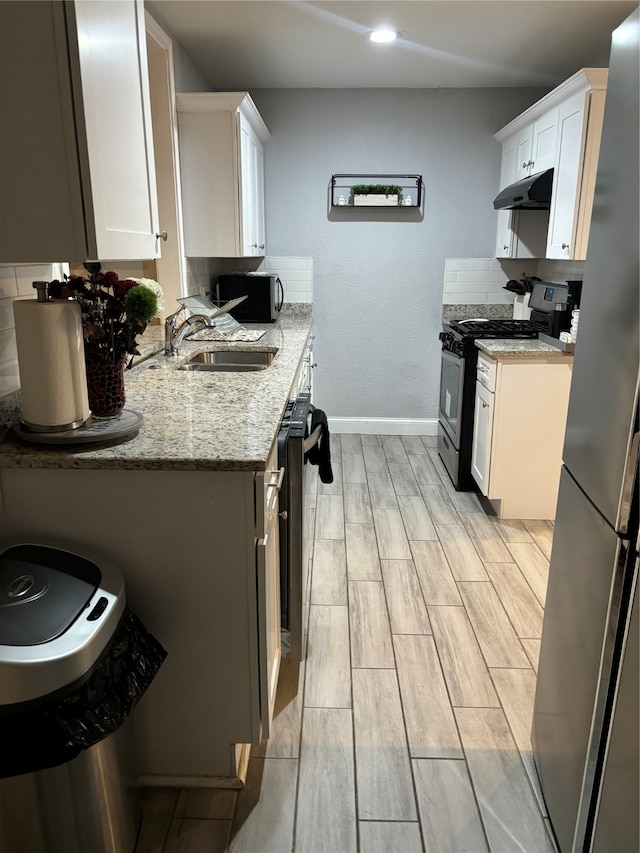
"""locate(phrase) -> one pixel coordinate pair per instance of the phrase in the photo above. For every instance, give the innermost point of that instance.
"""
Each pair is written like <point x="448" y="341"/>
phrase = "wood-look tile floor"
<point x="407" y="727"/>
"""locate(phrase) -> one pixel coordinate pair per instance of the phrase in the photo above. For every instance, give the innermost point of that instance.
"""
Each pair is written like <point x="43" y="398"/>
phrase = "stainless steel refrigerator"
<point x="585" y="724"/>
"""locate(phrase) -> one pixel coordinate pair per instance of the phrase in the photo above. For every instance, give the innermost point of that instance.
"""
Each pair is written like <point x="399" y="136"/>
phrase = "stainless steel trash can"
<point x="59" y="614"/>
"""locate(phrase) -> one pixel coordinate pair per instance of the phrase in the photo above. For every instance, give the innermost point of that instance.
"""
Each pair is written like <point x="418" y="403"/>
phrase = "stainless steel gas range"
<point x="458" y="388"/>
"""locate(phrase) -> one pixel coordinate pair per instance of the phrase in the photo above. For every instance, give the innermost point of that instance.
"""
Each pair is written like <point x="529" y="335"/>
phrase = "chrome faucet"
<point x="174" y="334"/>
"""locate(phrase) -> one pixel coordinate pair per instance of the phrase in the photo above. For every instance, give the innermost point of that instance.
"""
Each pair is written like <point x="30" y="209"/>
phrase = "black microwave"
<point x="265" y="295"/>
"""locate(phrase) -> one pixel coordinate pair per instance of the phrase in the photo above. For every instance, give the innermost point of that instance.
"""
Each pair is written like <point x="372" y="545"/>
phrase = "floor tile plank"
<point x="334" y="488"/>
<point x="353" y="468"/>
<point x="350" y="443"/>
<point x="462" y="501"/>
<point x="391" y="535"/>
<point x="407" y="611"/>
<point x="439" y="505"/>
<point x="413" y="444"/>
<point x="484" y="535"/>
<point x="327" y="682"/>
<point x="463" y="558"/>
<point x="206" y="803"/>
<point x="498" y="641"/>
<point x="193" y="836"/>
<point x="512" y="530"/>
<point x="394" y="448"/>
<point x="532" y="648"/>
<point x="366" y="438"/>
<point x="383" y="770"/>
<point x="284" y="737"/>
<point x="523" y="608"/>
<point x="512" y="819"/>
<point x="424" y="469"/>
<point x="158" y="806"/>
<point x="434" y="574"/>
<point x="330" y="517"/>
<point x="377" y="836"/>
<point x="516" y="689"/>
<point x="464" y="669"/>
<point x="363" y="562"/>
<point x="542" y="534"/>
<point x="416" y="518"/>
<point x="534" y="566"/>
<point x="326" y="808"/>
<point x="448" y="810"/>
<point x="431" y="726"/>
<point x="329" y="578"/>
<point x="374" y="459"/>
<point x="357" y="505"/>
<point x="381" y="492"/>
<point x="404" y="482"/>
<point x="266" y="806"/>
<point x="369" y="625"/>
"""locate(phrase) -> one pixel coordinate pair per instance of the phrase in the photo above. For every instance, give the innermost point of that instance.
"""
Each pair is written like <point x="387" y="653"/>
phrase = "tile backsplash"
<point x="296" y="274"/>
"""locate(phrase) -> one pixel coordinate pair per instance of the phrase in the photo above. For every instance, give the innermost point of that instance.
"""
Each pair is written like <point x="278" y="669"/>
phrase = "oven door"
<point x="451" y="388"/>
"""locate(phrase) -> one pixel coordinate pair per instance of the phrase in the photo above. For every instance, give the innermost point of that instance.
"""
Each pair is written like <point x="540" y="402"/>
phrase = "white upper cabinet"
<point x="221" y="139"/>
<point x="77" y="169"/>
<point x="560" y="132"/>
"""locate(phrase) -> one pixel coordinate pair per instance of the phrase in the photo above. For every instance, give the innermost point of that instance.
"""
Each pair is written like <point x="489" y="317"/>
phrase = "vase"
<point x="105" y="386"/>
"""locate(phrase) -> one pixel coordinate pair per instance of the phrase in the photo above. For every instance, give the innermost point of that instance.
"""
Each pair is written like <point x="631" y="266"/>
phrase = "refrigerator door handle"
<point x="630" y="474"/>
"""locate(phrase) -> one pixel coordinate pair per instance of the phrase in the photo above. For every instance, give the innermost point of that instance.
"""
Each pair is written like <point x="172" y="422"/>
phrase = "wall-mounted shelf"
<point x="407" y="195"/>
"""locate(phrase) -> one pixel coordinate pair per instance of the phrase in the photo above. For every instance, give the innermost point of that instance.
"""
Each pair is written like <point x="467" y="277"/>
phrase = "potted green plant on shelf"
<point x="375" y="195"/>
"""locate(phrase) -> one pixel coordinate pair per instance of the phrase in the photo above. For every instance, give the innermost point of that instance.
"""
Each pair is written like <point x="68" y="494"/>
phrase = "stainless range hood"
<point x="532" y="193"/>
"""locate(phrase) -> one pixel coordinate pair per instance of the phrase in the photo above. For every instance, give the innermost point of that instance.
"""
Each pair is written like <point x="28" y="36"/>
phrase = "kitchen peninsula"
<point x="184" y="509"/>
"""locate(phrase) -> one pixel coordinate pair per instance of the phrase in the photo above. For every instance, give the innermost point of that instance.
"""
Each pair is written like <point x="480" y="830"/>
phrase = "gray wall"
<point x="378" y="284"/>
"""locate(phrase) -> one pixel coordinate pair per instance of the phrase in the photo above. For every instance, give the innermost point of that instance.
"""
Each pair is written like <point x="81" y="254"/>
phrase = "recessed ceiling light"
<point x="382" y="36"/>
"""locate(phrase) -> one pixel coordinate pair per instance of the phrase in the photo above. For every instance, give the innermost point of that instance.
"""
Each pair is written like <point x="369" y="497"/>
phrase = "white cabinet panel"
<point x="544" y="142"/>
<point x="505" y="236"/>
<point x="482" y="429"/>
<point x="566" y="176"/>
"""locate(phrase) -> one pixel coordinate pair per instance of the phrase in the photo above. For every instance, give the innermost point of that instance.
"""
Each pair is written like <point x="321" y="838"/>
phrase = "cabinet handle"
<point x="524" y="165"/>
<point x="483" y="369"/>
<point x="484" y="405"/>
<point x="162" y="236"/>
<point x="315" y="364"/>
<point x="505" y="247"/>
<point x="565" y="245"/>
<point x="280" y="475"/>
<point x="256" y="246"/>
<point x="261" y="246"/>
<point x="284" y="515"/>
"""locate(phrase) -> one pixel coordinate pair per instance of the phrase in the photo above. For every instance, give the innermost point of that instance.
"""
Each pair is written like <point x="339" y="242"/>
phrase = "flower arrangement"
<point x="114" y="311"/>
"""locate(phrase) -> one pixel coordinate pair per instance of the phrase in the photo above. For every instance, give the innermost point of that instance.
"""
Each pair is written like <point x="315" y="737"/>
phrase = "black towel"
<point x="320" y="453"/>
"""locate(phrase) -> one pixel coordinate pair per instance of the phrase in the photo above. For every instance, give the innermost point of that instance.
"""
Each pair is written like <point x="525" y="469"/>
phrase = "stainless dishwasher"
<point x="295" y="533"/>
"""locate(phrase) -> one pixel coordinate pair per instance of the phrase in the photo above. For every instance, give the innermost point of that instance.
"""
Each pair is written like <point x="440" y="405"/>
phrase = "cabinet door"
<point x="504" y="240"/>
<point x="524" y="150"/>
<point x="268" y="566"/>
<point x="566" y="179"/>
<point x="544" y="142"/>
<point x="482" y="433"/>
<point x="252" y="190"/>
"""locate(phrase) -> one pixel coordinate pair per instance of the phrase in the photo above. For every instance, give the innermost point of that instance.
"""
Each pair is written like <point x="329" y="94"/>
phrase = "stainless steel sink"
<point x="229" y="360"/>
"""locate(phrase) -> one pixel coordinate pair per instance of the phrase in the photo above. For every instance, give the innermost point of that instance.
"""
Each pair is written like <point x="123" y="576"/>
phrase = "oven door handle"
<point x="313" y="439"/>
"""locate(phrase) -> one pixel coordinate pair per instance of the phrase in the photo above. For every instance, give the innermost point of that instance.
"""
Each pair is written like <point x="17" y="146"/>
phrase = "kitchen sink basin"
<point x="230" y="361"/>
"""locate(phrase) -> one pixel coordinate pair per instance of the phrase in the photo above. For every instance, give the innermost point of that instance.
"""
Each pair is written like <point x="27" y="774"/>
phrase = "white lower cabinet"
<point x="520" y="415"/>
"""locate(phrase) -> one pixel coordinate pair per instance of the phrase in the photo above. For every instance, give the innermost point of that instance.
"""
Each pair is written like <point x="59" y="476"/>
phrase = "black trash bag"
<point x="54" y="729"/>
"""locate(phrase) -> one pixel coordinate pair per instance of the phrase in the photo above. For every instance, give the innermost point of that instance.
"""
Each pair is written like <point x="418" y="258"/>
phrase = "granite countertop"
<point x="500" y="348"/>
<point x="193" y="420"/>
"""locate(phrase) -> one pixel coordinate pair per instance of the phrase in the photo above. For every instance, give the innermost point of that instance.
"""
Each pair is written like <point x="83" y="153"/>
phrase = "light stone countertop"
<point x="193" y="420"/>
<point x="499" y="348"/>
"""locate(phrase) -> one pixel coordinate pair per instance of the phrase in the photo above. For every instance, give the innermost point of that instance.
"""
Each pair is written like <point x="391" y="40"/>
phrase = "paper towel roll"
<point x="51" y="363"/>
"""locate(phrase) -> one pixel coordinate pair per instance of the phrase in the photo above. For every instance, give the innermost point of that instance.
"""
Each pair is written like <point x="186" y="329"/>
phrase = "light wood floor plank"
<point x="391" y="535"/>
<point x="424" y="469"/>
<point x="434" y="574"/>
<point x="336" y="445"/>
<point x="394" y="448"/>
<point x="284" y="736"/>
<point x="542" y="533"/>
<point x="448" y="810"/>
<point x="407" y="611"/>
<point x="517" y="689"/>
<point x="462" y="501"/>
<point x="193" y="836"/>
<point x="439" y="466"/>
<point x="463" y="558"/>
<point x="416" y="518"/>
<point x="512" y="530"/>
<point x="430" y="440"/>
<point x="326" y="808"/>
<point x="363" y="562"/>
<point x="404" y="483"/>
<point x="383" y="770"/>
<point x="522" y="607"/>
<point x="378" y="836"/>
<point x="498" y="641"/>
<point x="534" y="566"/>
<point x="334" y="488"/>
<point x="374" y="459"/>
<point x="484" y="535"/>
<point x="366" y="438"/>
<point x="431" y="726"/>
<point x="327" y="682"/>
<point x="532" y="648"/>
<point x="266" y="806"/>
<point x="463" y="666"/>
<point x="381" y="491"/>
<point x="357" y="504"/>
<point x="413" y="444"/>
<point x="439" y="505"/>
<point x="353" y="468"/>
<point x="350" y="443"/>
<point x="369" y="623"/>
<point x="329" y="578"/>
<point x="330" y="517"/>
<point x="512" y="819"/>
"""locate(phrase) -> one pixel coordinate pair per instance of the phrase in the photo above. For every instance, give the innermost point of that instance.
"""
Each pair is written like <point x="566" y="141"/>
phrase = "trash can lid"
<point x="42" y="592"/>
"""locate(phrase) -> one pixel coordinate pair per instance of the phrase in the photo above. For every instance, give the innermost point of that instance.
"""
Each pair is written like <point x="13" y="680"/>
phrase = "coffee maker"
<point x="552" y="304"/>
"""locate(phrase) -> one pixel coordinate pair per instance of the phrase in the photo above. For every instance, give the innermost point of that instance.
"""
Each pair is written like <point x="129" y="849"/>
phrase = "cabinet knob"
<point x="485" y="405"/>
<point x="284" y="515"/>
<point x="261" y="246"/>
<point x="315" y="364"/>
<point x="162" y="236"/>
<point x="524" y="165"/>
<point x="505" y="247"/>
<point x="565" y="245"/>
<point x="256" y="246"/>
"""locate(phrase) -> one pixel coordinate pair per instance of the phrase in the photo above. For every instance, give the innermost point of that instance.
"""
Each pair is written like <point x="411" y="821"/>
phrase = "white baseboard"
<point x="384" y="426"/>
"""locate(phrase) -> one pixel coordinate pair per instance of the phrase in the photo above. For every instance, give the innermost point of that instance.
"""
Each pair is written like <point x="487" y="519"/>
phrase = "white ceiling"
<point x="290" y="44"/>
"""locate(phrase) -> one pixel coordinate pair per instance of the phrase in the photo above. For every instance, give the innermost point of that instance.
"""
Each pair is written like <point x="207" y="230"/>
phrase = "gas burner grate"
<point x="498" y="328"/>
